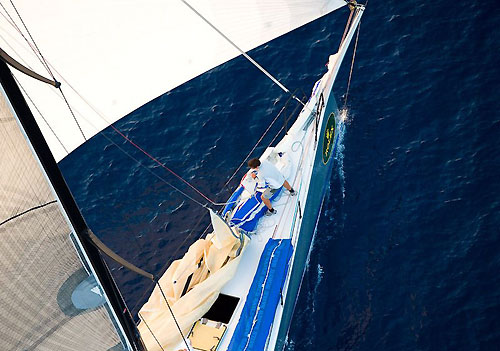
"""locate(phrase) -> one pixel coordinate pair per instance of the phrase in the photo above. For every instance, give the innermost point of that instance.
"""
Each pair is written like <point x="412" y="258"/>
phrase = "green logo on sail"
<point x="329" y="138"/>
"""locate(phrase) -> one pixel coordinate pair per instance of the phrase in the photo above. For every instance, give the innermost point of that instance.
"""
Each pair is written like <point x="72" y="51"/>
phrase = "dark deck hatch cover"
<point x="222" y="309"/>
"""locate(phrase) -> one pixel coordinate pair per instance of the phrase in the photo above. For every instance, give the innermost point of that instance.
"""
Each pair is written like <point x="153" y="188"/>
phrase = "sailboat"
<point x="234" y="289"/>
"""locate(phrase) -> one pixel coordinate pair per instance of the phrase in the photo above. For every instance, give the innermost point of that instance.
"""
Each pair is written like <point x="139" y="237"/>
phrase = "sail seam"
<point x="27" y="211"/>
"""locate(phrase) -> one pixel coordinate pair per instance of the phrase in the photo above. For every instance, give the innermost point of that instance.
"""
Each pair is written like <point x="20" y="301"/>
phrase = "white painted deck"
<point x="299" y="147"/>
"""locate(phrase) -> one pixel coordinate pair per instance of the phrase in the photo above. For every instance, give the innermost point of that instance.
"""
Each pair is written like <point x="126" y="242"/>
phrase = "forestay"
<point x="118" y="55"/>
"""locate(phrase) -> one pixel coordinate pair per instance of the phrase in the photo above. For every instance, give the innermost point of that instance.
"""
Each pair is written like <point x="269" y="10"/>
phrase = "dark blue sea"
<point x="407" y="250"/>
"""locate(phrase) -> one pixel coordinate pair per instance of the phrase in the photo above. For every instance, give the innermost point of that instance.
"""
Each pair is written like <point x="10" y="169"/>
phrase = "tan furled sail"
<point x="191" y="285"/>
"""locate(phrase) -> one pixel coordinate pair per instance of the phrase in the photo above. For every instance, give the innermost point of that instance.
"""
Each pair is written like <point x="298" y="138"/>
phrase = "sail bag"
<point x="191" y="285"/>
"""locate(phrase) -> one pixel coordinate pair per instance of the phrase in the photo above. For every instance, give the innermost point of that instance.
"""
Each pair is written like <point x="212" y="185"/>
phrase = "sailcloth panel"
<point x="222" y="233"/>
<point x="191" y="285"/>
<point x="118" y="55"/>
<point x="39" y="267"/>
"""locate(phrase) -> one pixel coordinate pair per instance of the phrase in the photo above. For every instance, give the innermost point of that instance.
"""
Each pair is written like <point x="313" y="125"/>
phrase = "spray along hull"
<point x="253" y="310"/>
<point x="267" y="310"/>
<point x="319" y="182"/>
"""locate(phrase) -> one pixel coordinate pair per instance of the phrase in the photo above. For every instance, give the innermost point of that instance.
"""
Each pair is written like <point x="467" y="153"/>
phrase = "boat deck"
<point x="300" y="147"/>
<point x="300" y="150"/>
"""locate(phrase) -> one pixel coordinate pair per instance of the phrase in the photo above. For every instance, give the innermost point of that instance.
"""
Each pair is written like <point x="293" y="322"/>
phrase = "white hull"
<point x="306" y="161"/>
<point x="302" y="150"/>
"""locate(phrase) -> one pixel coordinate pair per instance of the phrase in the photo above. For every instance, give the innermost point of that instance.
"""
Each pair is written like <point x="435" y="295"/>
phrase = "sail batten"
<point x="120" y="55"/>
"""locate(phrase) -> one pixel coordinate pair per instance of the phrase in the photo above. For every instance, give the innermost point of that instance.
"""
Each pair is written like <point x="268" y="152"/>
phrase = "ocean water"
<point x="406" y="254"/>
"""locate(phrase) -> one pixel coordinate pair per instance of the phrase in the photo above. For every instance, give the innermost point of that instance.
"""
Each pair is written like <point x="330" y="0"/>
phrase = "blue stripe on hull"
<point x="317" y="189"/>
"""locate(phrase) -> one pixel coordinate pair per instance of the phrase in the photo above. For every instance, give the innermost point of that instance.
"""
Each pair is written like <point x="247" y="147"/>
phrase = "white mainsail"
<point x="114" y="56"/>
<point x="118" y="55"/>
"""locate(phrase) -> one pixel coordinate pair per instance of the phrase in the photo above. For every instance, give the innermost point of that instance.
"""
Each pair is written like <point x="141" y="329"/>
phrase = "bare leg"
<point x="287" y="185"/>
<point x="266" y="202"/>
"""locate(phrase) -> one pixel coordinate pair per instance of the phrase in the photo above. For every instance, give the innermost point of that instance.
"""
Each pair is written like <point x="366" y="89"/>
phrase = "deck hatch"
<point x="222" y="309"/>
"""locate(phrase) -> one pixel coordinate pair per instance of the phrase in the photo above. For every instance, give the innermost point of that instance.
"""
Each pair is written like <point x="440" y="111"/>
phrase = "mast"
<point x="122" y="318"/>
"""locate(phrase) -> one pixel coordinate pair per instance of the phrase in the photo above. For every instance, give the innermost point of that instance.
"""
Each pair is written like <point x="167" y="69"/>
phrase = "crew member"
<point x="270" y="179"/>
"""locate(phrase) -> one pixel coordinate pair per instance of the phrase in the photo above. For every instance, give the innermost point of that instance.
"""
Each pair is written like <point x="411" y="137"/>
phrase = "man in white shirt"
<point x="270" y="179"/>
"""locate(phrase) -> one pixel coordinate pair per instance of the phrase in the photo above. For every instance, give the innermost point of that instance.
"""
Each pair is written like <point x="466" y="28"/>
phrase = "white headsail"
<point x="118" y="55"/>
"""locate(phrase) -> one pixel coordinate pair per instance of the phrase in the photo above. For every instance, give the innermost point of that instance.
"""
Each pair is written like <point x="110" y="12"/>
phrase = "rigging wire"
<point x="40" y="113"/>
<point x="72" y="113"/>
<point x="98" y="113"/>
<point x="11" y="21"/>
<point x="154" y="336"/>
<point x="173" y="316"/>
<point x="269" y="75"/>
<point x="42" y="59"/>
<point x="282" y="127"/>
<point x="254" y="147"/>
<point x="153" y="173"/>
<point x="33" y="40"/>
<point x="157" y="282"/>
<point x="347" y="26"/>
<point x="163" y="165"/>
<point x="352" y="65"/>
